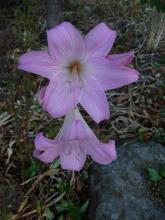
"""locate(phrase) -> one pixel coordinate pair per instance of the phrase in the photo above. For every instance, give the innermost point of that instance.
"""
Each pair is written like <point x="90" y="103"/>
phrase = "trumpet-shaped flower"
<point x="73" y="143"/>
<point x="79" y="70"/>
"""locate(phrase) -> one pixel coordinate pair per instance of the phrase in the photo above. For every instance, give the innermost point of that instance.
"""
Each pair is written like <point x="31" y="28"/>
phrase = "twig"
<point x="19" y="216"/>
<point x="47" y="173"/>
<point x="55" y="200"/>
<point x="15" y="217"/>
<point x="29" y="180"/>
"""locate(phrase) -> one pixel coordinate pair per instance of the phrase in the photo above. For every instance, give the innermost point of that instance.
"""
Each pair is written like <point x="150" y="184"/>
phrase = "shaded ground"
<point x="136" y="110"/>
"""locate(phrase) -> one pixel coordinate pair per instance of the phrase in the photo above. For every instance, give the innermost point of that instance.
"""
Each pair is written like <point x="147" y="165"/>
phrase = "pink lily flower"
<point x="79" y="70"/>
<point x="73" y="143"/>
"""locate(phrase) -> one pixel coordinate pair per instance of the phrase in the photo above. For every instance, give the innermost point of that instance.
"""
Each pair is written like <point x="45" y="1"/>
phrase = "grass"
<point x="137" y="111"/>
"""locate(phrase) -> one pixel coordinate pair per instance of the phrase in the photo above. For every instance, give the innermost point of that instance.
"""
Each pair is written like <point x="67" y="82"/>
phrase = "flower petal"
<point x="64" y="40"/>
<point x="72" y="155"/>
<point x="47" y="156"/>
<point x="74" y="127"/>
<point x="42" y="143"/>
<point x="46" y="150"/>
<point x="111" y="75"/>
<point x="100" y="40"/>
<point x="61" y="96"/>
<point x="41" y="94"/>
<point x="38" y="62"/>
<point x="94" y="101"/>
<point x="122" y="59"/>
<point x="102" y="153"/>
<point x="74" y="130"/>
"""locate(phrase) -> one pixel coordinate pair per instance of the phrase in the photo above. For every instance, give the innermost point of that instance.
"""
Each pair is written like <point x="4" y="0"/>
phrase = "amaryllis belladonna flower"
<point x="79" y="70"/>
<point x="73" y="143"/>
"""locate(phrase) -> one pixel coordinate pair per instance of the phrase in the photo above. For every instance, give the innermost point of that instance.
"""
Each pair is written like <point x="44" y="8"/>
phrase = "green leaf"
<point x="64" y="206"/>
<point x="39" y="205"/>
<point x="61" y="217"/>
<point x="55" y="164"/>
<point x="141" y="134"/>
<point x="162" y="171"/>
<point x="32" y="169"/>
<point x="52" y="129"/>
<point x="3" y="188"/>
<point x="74" y="211"/>
<point x="48" y="214"/>
<point x="153" y="175"/>
<point x="84" y="207"/>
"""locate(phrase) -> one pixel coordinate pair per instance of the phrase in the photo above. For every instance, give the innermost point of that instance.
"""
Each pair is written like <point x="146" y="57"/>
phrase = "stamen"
<point x="75" y="67"/>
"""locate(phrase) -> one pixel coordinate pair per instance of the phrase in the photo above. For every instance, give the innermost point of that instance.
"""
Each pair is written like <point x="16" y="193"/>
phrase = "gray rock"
<point x="121" y="190"/>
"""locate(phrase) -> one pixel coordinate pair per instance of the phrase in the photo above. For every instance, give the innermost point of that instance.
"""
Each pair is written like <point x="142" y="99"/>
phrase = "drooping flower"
<point x="79" y="70"/>
<point x="73" y="143"/>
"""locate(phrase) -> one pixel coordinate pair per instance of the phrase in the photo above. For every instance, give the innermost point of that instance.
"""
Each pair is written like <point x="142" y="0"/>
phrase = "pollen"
<point x="75" y="67"/>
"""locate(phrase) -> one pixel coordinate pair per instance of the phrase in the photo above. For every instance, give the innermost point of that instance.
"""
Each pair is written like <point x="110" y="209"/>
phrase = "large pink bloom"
<point x="74" y="141"/>
<point x="79" y="69"/>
